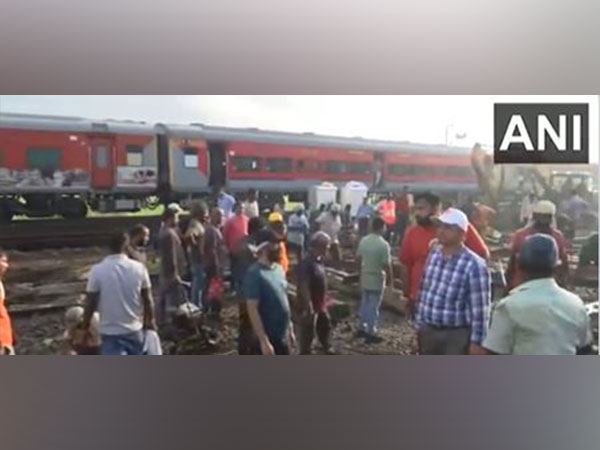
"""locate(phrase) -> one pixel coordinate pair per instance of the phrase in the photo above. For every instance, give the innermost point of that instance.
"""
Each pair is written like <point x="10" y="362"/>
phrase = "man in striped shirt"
<point x="454" y="298"/>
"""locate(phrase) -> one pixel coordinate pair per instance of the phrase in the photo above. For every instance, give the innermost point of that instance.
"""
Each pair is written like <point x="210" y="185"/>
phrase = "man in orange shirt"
<point x="417" y="242"/>
<point x="6" y="330"/>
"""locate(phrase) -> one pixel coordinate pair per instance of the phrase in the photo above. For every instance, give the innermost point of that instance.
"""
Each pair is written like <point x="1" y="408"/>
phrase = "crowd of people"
<point x="444" y="274"/>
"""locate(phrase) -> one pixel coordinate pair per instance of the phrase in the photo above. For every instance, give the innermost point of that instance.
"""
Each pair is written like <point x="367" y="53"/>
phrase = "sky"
<point x="437" y="119"/>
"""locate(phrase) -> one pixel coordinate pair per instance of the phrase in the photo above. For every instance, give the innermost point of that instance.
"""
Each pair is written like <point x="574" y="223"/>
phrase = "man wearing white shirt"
<point x="119" y="289"/>
<point x="251" y="208"/>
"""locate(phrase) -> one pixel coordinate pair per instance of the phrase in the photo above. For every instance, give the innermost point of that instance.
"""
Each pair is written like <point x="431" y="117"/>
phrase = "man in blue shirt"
<point x="265" y="290"/>
<point x="363" y="216"/>
<point x="455" y="293"/>
<point x="225" y="202"/>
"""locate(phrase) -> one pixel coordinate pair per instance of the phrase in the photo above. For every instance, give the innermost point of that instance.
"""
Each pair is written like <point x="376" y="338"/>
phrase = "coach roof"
<point x="192" y="131"/>
<point x="73" y="124"/>
<point x="213" y="133"/>
<point x="216" y="133"/>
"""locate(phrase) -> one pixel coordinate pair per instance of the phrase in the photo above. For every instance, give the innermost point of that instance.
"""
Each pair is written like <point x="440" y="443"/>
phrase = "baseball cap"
<point x="456" y="217"/>
<point x="175" y="207"/>
<point x="539" y="251"/>
<point x="544" y="207"/>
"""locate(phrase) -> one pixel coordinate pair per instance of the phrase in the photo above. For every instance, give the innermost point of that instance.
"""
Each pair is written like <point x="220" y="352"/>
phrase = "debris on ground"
<point x="41" y="285"/>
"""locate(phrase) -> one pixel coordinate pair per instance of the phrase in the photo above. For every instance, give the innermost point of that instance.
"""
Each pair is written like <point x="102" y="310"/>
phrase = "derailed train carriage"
<point x="68" y="165"/>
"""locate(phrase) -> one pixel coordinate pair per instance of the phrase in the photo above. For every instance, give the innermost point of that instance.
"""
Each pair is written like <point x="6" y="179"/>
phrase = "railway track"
<point x="61" y="233"/>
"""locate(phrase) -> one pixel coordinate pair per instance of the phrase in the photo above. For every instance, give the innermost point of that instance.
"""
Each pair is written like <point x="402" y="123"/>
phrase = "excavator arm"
<point x="490" y="181"/>
<point x="492" y="178"/>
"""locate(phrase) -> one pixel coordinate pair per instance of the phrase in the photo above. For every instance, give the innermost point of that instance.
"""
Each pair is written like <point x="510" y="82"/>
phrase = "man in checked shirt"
<point x="454" y="298"/>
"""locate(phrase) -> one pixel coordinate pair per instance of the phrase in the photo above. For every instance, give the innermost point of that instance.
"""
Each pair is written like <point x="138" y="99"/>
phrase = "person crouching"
<point x="76" y="341"/>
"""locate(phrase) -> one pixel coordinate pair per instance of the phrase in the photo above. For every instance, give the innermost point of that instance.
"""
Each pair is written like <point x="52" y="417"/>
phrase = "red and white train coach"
<point x="64" y="165"/>
<point x="276" y="163"/>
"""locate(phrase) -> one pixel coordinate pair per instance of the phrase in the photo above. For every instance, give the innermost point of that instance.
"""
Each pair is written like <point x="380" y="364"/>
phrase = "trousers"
<point x="319" y="324"/>
<point x="443" y="340"/>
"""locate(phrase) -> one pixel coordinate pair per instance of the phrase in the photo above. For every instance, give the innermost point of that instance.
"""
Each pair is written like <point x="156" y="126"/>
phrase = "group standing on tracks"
<point x="233" y="249"/>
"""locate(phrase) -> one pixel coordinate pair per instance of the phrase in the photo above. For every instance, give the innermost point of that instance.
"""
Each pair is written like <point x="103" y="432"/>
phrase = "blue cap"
<point x="539" y="251"/>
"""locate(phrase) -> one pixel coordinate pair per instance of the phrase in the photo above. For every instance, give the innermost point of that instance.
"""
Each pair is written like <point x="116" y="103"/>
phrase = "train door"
<point x="103" y="163"/>
<point x="217" y="164"/>
<point x="378" y="170"/>
<point x="164" y="166"/>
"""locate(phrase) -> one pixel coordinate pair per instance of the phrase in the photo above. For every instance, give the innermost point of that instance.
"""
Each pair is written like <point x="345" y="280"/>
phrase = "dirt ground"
<point x="54" y="279"/>
<point x="41" y="285"/>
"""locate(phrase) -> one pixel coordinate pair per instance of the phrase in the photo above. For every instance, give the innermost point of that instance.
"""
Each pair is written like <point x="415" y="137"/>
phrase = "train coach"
<point x="65" y="165"/>
<point x="277" y="163"/>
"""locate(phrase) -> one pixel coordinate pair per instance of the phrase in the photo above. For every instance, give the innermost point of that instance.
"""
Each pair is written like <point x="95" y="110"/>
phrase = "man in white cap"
<point x="454" y="298"/>
<point x="542" y="221"/>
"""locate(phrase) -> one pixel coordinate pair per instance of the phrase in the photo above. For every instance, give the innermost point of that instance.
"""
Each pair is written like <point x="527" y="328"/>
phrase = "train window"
<point x="135" y="155"/>
<point x="403" y="169"/>
<point x="246" y="164"/>
<point x="44" y="159"/>
<point x="456" y="171"/>
<point x="308" y="166"/>
<point x="334" y="167"/>
<point x="190" y="157"/>
<point x="394" y="169"/>
<point x="101" y="154"/>
<point x="422" y="170"/>
<point x="279" y="165"/>
<point x="358" y="167"/>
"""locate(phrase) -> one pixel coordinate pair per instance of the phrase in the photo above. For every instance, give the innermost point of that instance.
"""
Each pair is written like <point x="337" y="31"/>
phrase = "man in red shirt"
<point x="475" y="242"/>
<point x="234" y="232"/>
<point x="542" y="222"/>
<point x="417" y="242"/>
